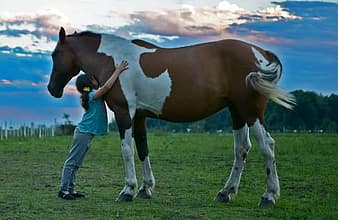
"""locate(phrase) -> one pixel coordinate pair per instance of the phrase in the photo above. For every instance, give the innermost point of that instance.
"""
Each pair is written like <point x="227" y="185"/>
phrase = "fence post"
<point x="39" y="131"/>
<point x="17" y="129"/>
<point x="52" y="131"/>
<point x="6" y="131"/>
<point x="24" y="129"/>
<point x="32" y="129"/>
<point x="1" y="132"/>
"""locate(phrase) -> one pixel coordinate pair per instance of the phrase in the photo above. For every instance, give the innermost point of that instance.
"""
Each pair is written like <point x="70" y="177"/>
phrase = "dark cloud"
<point x="39" y="24"/>
<point x="198" y="22"/>
<point x="307" y="46"/>
<point x="317" y="26"/>
<point x="32" y="32"/>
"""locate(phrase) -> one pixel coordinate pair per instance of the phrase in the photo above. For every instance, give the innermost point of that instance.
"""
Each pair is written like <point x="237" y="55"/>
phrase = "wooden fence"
<point x="23" y="129"/>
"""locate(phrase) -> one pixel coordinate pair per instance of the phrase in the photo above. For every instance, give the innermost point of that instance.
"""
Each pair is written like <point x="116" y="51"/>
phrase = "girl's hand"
<point x="121" y="67"/>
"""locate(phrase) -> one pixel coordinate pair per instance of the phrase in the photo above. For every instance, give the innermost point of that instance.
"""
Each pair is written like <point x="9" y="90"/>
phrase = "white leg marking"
<point x="242" y="146"/>
<point x="146" y="190"/>
<point x="148" y="177"/>
<point x="129" y="165"/>
<point x="266" y="145"/>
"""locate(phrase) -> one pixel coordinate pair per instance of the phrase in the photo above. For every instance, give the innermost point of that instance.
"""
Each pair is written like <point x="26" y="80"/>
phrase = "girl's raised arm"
<point x="109" y="83"/>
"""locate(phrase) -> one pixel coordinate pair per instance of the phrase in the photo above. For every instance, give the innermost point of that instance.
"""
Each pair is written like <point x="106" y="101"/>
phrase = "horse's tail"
<point x="264" y="81"/>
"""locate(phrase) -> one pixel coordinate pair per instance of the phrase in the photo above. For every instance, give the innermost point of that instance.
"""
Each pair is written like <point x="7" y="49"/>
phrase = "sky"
<point x="304" y="35"/>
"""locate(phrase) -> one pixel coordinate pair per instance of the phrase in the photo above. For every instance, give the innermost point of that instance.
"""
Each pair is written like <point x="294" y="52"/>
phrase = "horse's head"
<point x="65" y="66"/>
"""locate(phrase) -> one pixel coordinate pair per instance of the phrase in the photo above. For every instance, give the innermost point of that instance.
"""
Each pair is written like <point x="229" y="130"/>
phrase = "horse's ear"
<point x="62" y="34"/>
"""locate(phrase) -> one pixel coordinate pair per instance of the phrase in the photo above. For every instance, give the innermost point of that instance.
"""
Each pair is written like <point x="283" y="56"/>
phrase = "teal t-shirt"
<point x="94" y="120"/>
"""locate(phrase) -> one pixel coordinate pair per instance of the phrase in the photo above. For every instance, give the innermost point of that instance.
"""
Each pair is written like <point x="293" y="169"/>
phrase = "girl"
<point x="93" y="122"/>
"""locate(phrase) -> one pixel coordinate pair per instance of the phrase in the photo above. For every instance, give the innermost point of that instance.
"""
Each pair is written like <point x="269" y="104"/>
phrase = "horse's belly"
<point x="192" y="109"/>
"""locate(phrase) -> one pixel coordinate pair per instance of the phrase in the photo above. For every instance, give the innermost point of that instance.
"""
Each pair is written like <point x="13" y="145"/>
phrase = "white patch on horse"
<point x="141" y="92"/>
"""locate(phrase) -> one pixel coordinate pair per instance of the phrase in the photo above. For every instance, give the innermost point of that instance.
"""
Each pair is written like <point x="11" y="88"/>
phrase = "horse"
<point x="181" y="84"/>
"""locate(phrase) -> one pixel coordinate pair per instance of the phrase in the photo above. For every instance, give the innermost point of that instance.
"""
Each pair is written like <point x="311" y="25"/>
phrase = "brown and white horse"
<point x="180" y="85"/>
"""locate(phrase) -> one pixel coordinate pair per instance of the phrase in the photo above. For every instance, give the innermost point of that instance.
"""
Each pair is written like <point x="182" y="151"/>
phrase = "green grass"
<point x="189" y="169"/>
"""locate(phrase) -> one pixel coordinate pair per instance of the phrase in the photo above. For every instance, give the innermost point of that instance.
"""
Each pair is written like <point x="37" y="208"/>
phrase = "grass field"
<point x="189" y="169"/>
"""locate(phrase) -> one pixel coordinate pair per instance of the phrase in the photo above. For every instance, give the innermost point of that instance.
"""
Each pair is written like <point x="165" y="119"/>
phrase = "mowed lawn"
<point x="189" y="170"/>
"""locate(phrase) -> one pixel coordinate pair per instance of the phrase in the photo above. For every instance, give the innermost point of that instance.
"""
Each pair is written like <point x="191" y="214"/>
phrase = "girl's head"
<point x="85" y="84"/>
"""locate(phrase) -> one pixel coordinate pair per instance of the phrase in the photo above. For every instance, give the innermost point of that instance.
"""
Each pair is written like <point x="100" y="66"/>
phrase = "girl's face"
<point x="95" y="83"/>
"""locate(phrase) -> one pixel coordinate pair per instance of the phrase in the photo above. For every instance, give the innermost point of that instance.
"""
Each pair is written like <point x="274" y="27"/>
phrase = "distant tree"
<point x="67" y="128"/>
<point x="332" y="104"/>
<point x="313" y="112"/>
<point x="66" y="119"/>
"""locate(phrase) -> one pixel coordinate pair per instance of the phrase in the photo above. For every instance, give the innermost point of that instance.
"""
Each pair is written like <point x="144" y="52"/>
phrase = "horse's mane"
<point x="83" y="34"/>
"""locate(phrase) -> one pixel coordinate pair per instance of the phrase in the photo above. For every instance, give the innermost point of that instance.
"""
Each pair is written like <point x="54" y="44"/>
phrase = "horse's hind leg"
<point x="140" y="137"/>
<point x="242" y="146"/>
<point x="267" y="148"/>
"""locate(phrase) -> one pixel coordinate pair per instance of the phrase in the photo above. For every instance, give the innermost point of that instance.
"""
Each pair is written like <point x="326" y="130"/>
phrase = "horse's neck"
<point x="101" y="63"/>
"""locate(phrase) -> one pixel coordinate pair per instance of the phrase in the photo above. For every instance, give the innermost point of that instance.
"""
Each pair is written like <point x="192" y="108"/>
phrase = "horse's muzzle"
<point x="57" y="93"/>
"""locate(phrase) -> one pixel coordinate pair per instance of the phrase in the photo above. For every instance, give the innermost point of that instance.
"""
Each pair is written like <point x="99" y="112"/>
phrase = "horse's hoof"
<point x="123" y="197"/>
<point x="265" y="202"/>
<point x="222" y="197"/>
<point x="144" y="193"/>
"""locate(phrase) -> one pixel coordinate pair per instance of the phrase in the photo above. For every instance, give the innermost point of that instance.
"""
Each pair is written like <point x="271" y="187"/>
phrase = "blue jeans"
<point x="77" y="153"/>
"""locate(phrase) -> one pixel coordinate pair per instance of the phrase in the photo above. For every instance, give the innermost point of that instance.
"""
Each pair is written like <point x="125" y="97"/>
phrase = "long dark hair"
<point x="84" y="85"/>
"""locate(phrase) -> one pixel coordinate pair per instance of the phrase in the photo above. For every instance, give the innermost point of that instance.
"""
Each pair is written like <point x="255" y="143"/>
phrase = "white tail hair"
<point x="265" y="80"/>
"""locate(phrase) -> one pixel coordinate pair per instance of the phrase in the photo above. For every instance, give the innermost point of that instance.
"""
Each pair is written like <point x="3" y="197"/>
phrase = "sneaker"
<point x="65" y="195"/>
<point x="77" y="194"/>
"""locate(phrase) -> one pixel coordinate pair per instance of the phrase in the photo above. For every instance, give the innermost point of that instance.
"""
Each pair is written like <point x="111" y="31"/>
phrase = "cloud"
<point x="315" y="25"/>
<point x="33" y="32"/>
<point x="15" y="85"/>
<point x="42" y="23"/>
<point x="37" y="32"/>
<point x="22" y="83"/>
<point x="27" y="68"/>
<point x="198" y="21"/>
<point x="155" y="37"/>
<point x="29" y="43"/>
<point x="5" y="82"/>
<point x="70" y="89"/>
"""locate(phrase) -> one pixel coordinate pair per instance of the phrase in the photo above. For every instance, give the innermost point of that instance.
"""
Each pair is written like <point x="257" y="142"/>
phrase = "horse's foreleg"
<point x="267" y="148"/>
<point x="148" y="185"/>
<point x="140" y="136"/>
<point x="125" y="129"/>
<point x="242" y="146"/>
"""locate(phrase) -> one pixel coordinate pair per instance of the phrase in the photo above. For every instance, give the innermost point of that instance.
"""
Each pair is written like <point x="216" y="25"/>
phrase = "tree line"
<point x="312" y="113"/>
